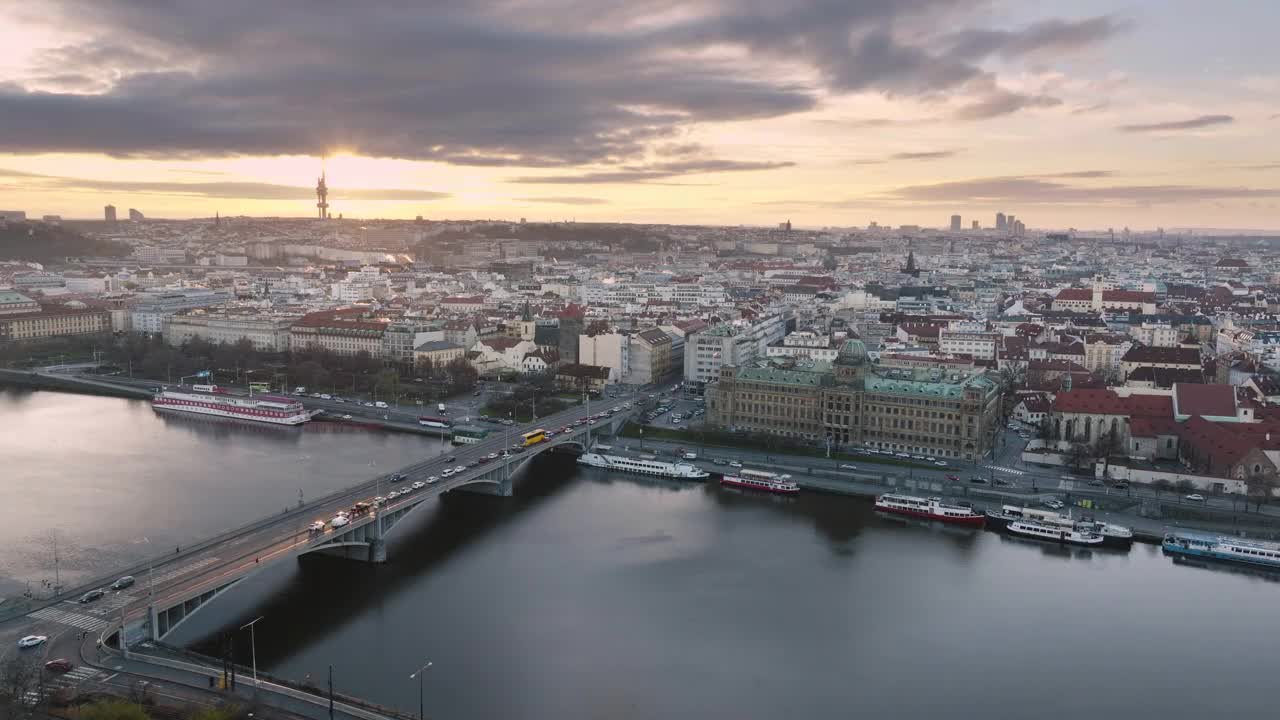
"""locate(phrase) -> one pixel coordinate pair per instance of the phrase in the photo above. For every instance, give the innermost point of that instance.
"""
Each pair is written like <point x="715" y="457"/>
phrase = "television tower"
<point x="322" y="195"/>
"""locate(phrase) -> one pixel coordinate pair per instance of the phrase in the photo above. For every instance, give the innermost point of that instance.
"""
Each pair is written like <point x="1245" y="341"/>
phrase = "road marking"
<point x="1005" y="469"/>
<point x="84" y="622"/>
<point x="177" y="572"/>
<point x="66" y="681"/>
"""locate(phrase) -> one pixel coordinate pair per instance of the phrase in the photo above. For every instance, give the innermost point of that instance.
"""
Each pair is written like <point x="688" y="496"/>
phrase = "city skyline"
<point x="1102" y="115"/>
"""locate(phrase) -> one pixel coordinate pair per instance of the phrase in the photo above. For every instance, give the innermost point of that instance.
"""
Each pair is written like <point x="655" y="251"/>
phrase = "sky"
<point x="1091" y="114"/>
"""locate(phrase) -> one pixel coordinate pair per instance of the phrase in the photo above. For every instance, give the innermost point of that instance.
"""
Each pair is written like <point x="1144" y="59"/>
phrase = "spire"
<point x="322" y="194"/>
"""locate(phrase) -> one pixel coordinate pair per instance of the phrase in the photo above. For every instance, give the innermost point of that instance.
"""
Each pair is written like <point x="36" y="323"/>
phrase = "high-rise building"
<point x="1010" y="222"/>
<point x="1000" y="221"/>
<point x="135" y="216"/>
<point x="109" y="213"/>
<point x="955" y="223"/>
<point x="322" y="197"/>
<point x="975" y="225"/>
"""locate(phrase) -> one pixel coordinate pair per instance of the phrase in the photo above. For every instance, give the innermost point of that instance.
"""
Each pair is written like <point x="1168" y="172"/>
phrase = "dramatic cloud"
<point x="1039" y="190"/>
<point x="555" y="83"/>
<point x="1191" y="124"/>
<point x="236" y="190"/>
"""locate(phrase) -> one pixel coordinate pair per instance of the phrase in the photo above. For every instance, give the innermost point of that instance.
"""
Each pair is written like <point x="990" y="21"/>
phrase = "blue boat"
<point x="1189" y="543"/>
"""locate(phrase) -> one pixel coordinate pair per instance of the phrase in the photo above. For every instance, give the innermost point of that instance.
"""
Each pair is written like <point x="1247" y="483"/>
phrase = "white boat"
<point x="762" y="480"/>
<point x="930" y="509"/>
<point x="212" y="400"/>
<point x="680" y="471"/>
<point x="1054" y="533"/>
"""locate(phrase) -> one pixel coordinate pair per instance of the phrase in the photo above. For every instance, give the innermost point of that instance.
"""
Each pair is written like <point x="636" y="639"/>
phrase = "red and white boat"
<point x="212" y="400"/>
<point x="930" y="509"/>
<point x="761" y="480"/>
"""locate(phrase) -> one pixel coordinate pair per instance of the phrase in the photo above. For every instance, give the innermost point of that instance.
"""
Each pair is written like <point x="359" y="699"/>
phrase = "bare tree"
<point x="1078" y="455"/>
<point x="1161" y="485"/>
<point x="1259" y="487"/>
<point x="20" y="680"/>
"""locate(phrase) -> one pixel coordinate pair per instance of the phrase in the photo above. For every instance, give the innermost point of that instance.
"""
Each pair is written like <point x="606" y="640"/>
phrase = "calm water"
<point x="590" y="596"/>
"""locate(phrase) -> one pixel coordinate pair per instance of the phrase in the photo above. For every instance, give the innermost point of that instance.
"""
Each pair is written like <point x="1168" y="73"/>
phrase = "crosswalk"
<point x="74" y="619"/>
<point x="65" y="681"/>
<point x="1001" y="468"/>
<point x="109" y="604"/>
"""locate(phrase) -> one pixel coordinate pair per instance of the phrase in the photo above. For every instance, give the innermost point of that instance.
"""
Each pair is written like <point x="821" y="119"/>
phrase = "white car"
<point x="339" y="520"/>
<point x="317" y="526"/>
<point x="419" y="485"/>
<point x="346" y="417"/>
<point x="735" y="464"/>
<point x="379" y="500"/>
<point x="1195" y="497"/>
<point x="433" y="480"/>
<point x="326" y="396"/>
<point x="902" y="455"/>
<point x="492" y="456"/>
<point x="459" y="469"/>
<point x="448" y="472"/>
<point x="31" y="641"/>
<point x="848" y="467"/>
<point x="393" y="494"/>
<point x="1053" y="504"/>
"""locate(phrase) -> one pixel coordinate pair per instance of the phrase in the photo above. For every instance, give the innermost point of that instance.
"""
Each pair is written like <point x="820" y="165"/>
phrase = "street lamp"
<point x="421" y="671"/>
<point x="253" y="647"/>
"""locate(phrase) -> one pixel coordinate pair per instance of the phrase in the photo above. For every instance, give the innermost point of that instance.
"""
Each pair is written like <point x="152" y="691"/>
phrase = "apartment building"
<point x="338" y="332"/>
<point x="18" y="322"/>
<point x="978" y="345"/>
<point x="268" y="332"/>
<point x="738" y="344"/>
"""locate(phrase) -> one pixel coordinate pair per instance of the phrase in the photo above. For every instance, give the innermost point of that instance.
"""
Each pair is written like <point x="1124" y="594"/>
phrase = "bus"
<point x="260" y="387"/>
<point x="435" y="422"/>
<point x="533" y="437"/>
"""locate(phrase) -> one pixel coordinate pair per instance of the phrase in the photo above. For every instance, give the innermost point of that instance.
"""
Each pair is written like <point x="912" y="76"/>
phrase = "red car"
<point x="953" y="478"/>
<point x="60" y="665"/>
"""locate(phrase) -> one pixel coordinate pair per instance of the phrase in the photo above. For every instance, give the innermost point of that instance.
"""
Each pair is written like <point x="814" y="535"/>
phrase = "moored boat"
<point x="762" y="480"/>
<point x="929" y="508"/>
<point x="212" y="400"/>
<point x="1113" y="536"/>
<point x="679" y="471"/>
<point x="1061" y="534"/>
<point x="1226" y="548"/>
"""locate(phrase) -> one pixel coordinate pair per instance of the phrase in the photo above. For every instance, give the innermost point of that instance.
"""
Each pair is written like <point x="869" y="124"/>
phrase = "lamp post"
<point x="253" y="647"/>
<point x="421" y="671"/>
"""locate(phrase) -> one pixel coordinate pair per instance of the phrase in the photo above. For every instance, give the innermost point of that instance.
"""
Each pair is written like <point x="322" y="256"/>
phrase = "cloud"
<point x="228" y="189"/>
<point x="909" y="156"/>
<point x="1190" y="124"/>
<point x="551" y="83"/>
<point x="1040" y="190"/>
<point x="1003" y="102"/>
<point x="654" y="171"/>
<point x="564" y="200"/>
<point x="1096" y="107"/>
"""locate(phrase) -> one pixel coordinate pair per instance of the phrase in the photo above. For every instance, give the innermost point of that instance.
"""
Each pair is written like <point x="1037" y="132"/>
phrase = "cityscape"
<point x="324" y="399"/>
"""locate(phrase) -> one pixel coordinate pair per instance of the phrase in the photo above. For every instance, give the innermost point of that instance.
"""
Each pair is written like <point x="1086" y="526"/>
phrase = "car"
<point x="492" y="456"/>
<point x="718" y="461"/>
<point x="122" y="583"/>
<point x="393" y="495"/>
<point x="317" y="526"/>
<point x="939" y="463"/>
<point x="978" y="480"/>
<point x="1053" y="504"/>
<point x="1195" y="497"/>
<point x="447" y="472"/>
<point x="432" y="480"/>
<point x="473" y="463"/>
<point x="690" y="456"/>
<point x="92" y="595"/>
<point x="1002" y="482"/>
<point x="459" y="469"/>
<point x="476" y="393"/>
<point x="339" y="400"/>
<point x="451" y="458"/>
<point x="735" y="464"/>
<point x="1121" y="486"/>
<point x="60" y="665"/>
<point x="483" y="460"/>
<point x="346" y="417"/>
<point x="902" y="455"/>
<point x="315" y="395"/>
<point x="917" y="457"/>
<point x="339" y="520"/>
<point x="326" y="396"/>
<point x="506" y="454"/>
<point x="848" y="467"/>
<point x="418" y="485"/>
<point x="1096" y="483"/>
<point x="379" y="501"/>
<point x="952" y="478"/>
<point x="508" y="421"/>
<point x="31" y="641"/>
<point x="396" y="477"/>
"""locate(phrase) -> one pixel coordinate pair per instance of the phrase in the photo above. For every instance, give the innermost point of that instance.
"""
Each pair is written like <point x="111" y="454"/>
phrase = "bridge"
<point x="170" y="590"/>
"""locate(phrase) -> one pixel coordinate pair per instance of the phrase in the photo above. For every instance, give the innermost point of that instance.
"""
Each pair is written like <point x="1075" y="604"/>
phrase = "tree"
<point x="1078" y="454"/>
<point x="310" y="373"/>
<point x="1185" y="487"/>
<point x="1259" y="487"/>
<point x="1161" y="485"/>
<point x="18" y="677"/>
<point x="387" y="383"/>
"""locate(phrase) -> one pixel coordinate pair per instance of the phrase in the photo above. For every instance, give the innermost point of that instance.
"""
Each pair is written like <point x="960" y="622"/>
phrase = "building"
<point x="1102" y="351"/>
<point x="955" y="223"/>
<point x="152" y="308"/>
<point x="339" y="332"/>
<point x="612" y="350"/>
<point x="13" y="215"/>
<point x="438" y="353"/>
<point x="402" y="338"/>
<point x="1099" y="298"/>
<point x="109" y="213"/>
<point x="804" y="344"/>
<point x="978" y="345"/>
<point x="849" y="402"/>
<point x="149" y="254"/>
<point x="575" y="376"/>
<point x="1178" y="358"/>
<point x="738" y="344"/>
<point x="267" y="332"/>
<point x="650" y="357"/>
<point x="1001" y="221"/>
<point x="19" y="321"/>
<point x="135" y="215"/>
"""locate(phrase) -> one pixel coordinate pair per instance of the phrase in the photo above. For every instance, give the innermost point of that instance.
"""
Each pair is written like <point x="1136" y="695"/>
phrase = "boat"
<point x="929" y="508"/>
<point x="1054" y="533"/>
<point x="212" y="400"/>
<point x="680" y="471"/>
<point x="1227" y="548"/>
<point x="762" y="480"/>
<point x="1113" y="536"/>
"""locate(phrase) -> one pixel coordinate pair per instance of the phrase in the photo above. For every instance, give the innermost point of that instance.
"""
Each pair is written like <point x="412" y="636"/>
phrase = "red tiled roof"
<point x="1162" y="355"/>
<point x="1107" y="402"/>
<point x="1074" y="294"/>
<point x="1214" y="400"/>
<point x="1127" y="296"/>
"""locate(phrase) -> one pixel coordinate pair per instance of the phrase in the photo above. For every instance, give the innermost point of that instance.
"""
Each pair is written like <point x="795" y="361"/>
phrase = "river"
<point x="596" y="596"/>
